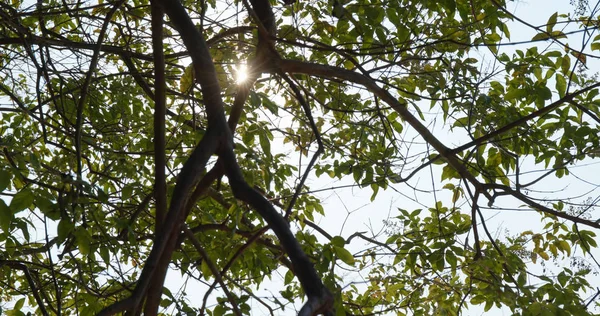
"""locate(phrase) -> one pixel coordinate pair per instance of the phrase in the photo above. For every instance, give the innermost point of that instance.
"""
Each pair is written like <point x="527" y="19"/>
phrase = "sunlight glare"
<point x="241" y="73"/>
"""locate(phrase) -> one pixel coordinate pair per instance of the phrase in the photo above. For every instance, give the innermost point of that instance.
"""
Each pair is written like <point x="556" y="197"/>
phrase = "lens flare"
<point x="241" y="73"/>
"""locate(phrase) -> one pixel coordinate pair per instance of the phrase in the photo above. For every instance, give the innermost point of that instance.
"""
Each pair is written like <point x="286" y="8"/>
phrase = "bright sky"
<point x="350" y="210"/>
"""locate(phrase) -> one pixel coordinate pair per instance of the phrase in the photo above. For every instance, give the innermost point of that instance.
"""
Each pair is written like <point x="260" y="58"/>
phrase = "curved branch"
<point x="538" y="113"/>
<point x="539" y="207"/>
<point x="86" y="86"/>
<point x="315" y="130"/>
<point x="230" y="262"/>
<point x="213" y="268"/>
<point x="25" y="269"/>
<point x="326" y="71"/>
<point x="319" y="298"/>
<point x="218" y="136"/>
<point x="166" y="237"/>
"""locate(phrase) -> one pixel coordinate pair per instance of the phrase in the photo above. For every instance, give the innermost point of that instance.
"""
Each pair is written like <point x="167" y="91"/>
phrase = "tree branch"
<point x="213" y="268"/>
<point x="160" y="182"/>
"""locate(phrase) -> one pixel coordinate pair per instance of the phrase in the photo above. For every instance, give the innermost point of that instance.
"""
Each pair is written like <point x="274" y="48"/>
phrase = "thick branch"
<point x="189" y="176"/>
<point x="160" y="182"/>
<point x="32" y="285"/>
<point x="218" y="134"/>
<point x="319" y="299"/>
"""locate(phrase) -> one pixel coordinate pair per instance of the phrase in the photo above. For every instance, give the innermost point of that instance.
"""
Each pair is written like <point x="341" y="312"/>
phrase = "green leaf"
<point x="515" y="94"/>
<point x="357" y="173"/>
<point x="505" y="30"/>
<point x="561" y="85"/>
<point x="289" y="277"/>
<point x="5" y="178"/>
<point x="478" y="299"/>
<point x="544" y="93"/>
<point x="35" y="162"/>
<point x="541" y="37"/>
<point x="6" y="216"/>
<point x="455" y="196"/>
<point x="558" y="35"/>
<point x="375" y="189"/>
<point x="344" y="255"/>
<point x="105" y="255"/>
<point x="493" y="38"/>
<point x="449" y="173"/>
<point x="338" y="10"/>
<point x="451" y="259"/>
<point x="187" y="80"/>
<point x="450" y="6"/>
<point x="127" y="192"/>
<point x="265" y="144"/>
<point x="22" y="200"/>
<point x="255" y="99"/>
<point x="83" y="240"/>
<point x="563" y="278"/>
<point x="338" y="241"/>
<point x="488" y="305"/>
<point x="64" y="229"/>
<point x="565" y="64"/>
<point x="102" y="196"/>
<point x="206" y="272"/>
<point x="270" y="105"/>
<point x="551" y="22"/>
<point x="219" y="310"/>
<point x="535" y="308"/>
<point x="15" y="312"/>
<point x="418" y="109"/>
<point x="19" y="304"/>
<point x="437" y="260"/>
<point x="47" y="207"/>
<point x="564" y="245"/>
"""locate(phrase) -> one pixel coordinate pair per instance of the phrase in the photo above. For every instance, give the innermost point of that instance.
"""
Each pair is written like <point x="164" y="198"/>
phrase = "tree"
<point x="98" y="203"/>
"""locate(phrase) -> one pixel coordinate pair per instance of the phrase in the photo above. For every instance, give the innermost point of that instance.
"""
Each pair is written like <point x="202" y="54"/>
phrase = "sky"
<point x="349" y="210"/>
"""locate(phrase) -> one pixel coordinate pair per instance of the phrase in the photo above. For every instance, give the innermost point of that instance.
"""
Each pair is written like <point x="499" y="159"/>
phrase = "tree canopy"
<point x="198" y="138"/>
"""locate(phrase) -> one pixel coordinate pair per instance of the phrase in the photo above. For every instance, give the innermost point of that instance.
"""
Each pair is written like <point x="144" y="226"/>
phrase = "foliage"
<point x="381" y="93"/>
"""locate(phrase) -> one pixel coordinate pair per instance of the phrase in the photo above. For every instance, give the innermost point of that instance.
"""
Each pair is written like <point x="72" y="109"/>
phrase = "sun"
<point x="241" y="73"/>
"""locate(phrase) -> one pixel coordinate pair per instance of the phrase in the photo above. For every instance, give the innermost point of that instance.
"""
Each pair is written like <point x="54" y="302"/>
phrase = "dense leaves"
<point x="432" y="105"/>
